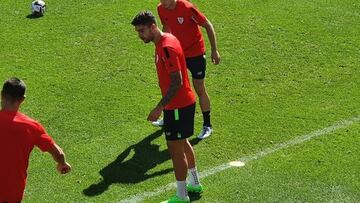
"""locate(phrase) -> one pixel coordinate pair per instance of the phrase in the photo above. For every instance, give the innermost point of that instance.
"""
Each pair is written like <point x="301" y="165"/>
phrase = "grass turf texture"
<point x="288" y="68"/>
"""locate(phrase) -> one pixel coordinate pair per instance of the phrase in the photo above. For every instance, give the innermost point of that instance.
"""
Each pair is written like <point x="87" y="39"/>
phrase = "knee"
<point x="176" y="147"/>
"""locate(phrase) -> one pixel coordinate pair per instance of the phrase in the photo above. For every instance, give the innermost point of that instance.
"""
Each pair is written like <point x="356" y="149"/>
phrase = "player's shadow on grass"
<point x="135" y="169"/>
<point x="33" y="16"/>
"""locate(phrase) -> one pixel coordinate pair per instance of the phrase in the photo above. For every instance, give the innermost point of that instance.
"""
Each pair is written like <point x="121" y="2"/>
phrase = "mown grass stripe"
<point x="261" y="154"/>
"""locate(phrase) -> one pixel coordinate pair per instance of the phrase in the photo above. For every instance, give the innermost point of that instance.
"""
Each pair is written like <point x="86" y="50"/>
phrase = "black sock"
<point x="206" y="116"/>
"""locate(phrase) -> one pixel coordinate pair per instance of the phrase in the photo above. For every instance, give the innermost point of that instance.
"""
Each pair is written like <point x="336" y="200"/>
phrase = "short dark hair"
<point x="14" y="89"/>
<point x="144" y="18"/>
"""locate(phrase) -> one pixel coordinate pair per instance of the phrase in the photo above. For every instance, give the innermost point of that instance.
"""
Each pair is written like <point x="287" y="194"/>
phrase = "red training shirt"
<point x="184" y="21"/>
<point x="169" y="57"/>
<point x="18" y="136"/>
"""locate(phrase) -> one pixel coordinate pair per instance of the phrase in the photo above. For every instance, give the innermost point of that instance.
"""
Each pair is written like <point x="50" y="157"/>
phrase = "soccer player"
<point x="182" y="19"/>
<point x="177" y="103"/>
<point x="18" y="136"/>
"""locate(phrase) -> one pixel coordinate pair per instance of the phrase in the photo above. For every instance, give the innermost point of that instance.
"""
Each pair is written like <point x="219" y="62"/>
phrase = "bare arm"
<point x="59" y="156"/>
<point x="175" y="84"/>
<point x="215" y="56"/>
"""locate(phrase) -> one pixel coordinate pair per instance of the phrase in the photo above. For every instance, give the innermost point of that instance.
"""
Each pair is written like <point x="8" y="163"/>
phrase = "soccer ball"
<point x="38" y="7"/>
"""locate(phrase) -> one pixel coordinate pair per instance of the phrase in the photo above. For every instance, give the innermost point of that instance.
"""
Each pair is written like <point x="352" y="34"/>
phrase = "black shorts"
<point x="197" y="66"/>
<point x="179" y="123"/>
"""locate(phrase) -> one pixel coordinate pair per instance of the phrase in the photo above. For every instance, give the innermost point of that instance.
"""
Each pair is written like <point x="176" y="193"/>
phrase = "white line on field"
<point x="217" y="169"/>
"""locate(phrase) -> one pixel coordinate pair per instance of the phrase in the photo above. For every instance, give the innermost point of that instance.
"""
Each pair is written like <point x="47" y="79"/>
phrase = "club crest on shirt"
<point x="180" y="20"/>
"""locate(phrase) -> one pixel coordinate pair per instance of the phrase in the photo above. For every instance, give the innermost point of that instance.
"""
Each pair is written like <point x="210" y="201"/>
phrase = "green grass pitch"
<point x="288" y="68"/>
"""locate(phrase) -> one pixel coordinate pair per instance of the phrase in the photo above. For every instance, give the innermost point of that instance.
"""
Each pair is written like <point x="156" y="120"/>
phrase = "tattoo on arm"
<point x="175" y="84"/>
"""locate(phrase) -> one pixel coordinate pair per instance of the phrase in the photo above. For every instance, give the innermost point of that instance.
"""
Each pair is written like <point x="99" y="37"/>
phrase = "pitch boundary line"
<point x="298" y="140"/>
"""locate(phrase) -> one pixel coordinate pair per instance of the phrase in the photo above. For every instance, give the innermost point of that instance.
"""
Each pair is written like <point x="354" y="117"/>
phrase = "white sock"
<point x="194" y="177"/>
<point x="181" y="189"/>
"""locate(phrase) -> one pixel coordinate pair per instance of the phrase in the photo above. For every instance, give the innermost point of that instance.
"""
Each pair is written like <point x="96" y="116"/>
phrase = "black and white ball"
<point x="38" y="7"/>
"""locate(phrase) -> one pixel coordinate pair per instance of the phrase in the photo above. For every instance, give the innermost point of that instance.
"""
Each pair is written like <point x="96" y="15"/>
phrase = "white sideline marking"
<point x="217" y="169"/>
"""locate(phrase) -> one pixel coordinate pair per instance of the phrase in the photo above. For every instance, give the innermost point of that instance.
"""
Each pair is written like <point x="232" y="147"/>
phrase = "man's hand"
<point x="64" y="168"/>
<point x="57" y="153"/>
<point x="215" y="57"/>
<point x="155" y="113"/>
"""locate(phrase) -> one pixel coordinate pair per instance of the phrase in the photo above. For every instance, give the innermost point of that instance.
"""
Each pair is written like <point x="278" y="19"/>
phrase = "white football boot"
<point x="205" y="132"/>
<point x="158" y="123"/>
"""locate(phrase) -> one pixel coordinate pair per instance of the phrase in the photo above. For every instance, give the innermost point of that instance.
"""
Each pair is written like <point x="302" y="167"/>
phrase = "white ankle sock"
<point x="194" y="177"/>
<point x="181" y="189"/>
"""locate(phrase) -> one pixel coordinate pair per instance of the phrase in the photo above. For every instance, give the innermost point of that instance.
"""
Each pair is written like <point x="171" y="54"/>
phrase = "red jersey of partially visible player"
<point x="18" y="136"/>
<point x="184" y="21"/>
<point x="169" y="57"/>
